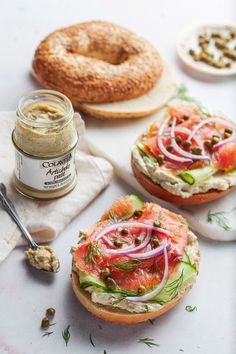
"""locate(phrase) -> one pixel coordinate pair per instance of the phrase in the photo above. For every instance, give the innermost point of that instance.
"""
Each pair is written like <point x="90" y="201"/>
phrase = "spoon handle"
<point x="10" y="209"/>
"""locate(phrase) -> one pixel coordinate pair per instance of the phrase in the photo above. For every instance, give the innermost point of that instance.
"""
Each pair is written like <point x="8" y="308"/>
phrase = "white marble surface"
<point x="24" y="293"/>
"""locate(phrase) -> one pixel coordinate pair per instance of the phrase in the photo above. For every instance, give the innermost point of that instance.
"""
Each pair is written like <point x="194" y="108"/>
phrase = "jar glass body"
<point x="45" y="139"/>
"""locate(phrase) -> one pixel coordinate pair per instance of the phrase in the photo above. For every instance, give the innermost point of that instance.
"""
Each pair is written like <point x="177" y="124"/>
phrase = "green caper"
<point x="105" y="273"/>
<point x="45" y="323"/>
<point x="186" y="144"/>
<point x="157" y="223"/>
<point x="50" y="312"/>
<point x="215" y="140"/>
<point x="138" y="213"/>
<point x="160" y="159"/>
<point x="191" y="52"/>
<point x="169" y="148"/>
<point x="124" y="231"/>
<point x="137" y="240"/>
<point x="141" y="290"/>
<point x="177" y="139"/>
<point x="117" y="243"/>
<point x="196" y="151"/>
<point x="155" y="243"/>
<point x="110" y="283"/>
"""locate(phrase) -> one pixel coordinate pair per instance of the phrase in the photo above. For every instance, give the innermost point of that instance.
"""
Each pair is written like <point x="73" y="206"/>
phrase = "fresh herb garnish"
<point x="149" y="342"/>
<point x="146" y="308"/>
<point x="113" y="218"/>
<point x="220" y="218"/>
<point x="66" y="334"/>
<point x="52" y="324"/>
<point x="188" y="261"/>
<point x="128" y="265"/>
<point x="47" y="334"/>
<point x="174" y="286"/>
<point x="190" y="308"/>
<point x="182" y="94"/>
<point x="91" y="340"/>
<point x="93" y="251"/>
<point x="151" y="321"/>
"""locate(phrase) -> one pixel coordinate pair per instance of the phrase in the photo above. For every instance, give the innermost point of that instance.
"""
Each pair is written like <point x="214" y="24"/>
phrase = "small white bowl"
<point x="189" y="40"/>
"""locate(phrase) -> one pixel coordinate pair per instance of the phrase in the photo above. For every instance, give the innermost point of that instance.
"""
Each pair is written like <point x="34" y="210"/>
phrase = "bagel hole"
<point x="115" y="57"/>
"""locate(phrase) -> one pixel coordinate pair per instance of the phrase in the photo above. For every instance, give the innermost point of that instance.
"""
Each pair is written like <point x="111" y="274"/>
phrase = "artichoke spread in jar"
<point x="45" y="139"/>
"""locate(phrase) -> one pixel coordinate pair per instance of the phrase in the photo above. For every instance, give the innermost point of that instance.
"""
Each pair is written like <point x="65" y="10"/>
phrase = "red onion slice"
<point x="153" y="253"/>
<point x="163" y="149"/>
<point x="127" y="224"/>
<point x="163" y="282"/>
<point x="181" y="151"/>
<point x="210" y="120"/>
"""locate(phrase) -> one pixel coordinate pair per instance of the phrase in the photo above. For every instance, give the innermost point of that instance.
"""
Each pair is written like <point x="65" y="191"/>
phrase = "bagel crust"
<point x="97" y="62"/>
<point x="159" y="192"/>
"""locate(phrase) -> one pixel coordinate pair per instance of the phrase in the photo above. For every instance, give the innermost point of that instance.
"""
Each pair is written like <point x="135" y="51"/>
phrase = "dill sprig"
<point x="113" y="218"/>
<point x="93" y="251"/>
<point x="173" y="288"/>
<point x="91" y="340"/>
<point x="188" y="261"/>
<point x="66" y="334"/>
<point x="149" y="342"/>
<point x="190" y="308"/>
<point x="128" y="265"/>
<point x="47" y="334"/>
<point x="220" y="218"/>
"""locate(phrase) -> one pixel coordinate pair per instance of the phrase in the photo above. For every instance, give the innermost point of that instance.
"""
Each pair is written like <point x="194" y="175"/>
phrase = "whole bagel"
<point x="97" y="62"/>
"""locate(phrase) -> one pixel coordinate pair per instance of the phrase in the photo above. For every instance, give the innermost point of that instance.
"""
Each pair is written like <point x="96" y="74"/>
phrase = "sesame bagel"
<point x="97" y="62"/>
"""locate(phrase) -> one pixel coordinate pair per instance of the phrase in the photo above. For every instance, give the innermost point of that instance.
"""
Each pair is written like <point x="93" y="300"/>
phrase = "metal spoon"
<point x="11" y="210"/>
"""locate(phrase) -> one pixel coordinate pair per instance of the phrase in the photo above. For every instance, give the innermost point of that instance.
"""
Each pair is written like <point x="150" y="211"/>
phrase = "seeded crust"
<point x="97" y="62"/>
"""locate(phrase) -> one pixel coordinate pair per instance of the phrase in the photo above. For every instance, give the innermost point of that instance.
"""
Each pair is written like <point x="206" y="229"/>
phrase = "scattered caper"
<point x="105" y="273"/>
<point x="45" y="323"/>
<point x="138" y="213"/>
<point x="137" y="240"/>
<point x="155" y="243"/>
<point x="50" y="312"/>
<point x="110" y="283"/>
<point x="157" y="223"/>
<point x="196" y="151"/>
<point x="215" y="140"/>
<point x="169" y="148"/>
<point x="160" y="159"/>
<point x="177" y="139"/>
<point x="186" y="144"/>
<point x="141" y="290"/>
<point x="124" y="231"/>
<point x="118" y="243"/>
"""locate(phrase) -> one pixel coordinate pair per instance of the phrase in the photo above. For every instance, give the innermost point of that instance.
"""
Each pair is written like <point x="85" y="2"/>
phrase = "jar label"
<point x="43" y="175"/>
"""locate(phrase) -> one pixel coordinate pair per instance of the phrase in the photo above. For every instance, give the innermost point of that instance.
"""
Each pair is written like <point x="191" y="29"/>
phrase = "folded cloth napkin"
<point x="45" y="220"/>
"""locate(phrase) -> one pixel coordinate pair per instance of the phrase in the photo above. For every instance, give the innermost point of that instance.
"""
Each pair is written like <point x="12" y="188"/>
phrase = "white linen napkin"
<point x="45" y="220"/>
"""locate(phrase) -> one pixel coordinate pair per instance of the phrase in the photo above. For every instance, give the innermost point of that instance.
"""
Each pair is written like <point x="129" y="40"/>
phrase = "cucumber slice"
<point x="177" y="281"/>
<point x="137" y="202"/>
<point x="87" y="280"/>
<point x="197" y="175"/>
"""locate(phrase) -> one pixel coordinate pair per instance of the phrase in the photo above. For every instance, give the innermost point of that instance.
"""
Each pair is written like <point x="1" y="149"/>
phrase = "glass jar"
<point x="45" y="139"/>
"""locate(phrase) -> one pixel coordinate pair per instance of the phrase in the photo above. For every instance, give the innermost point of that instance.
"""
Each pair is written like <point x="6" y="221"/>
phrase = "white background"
<point x="25" y="293"/>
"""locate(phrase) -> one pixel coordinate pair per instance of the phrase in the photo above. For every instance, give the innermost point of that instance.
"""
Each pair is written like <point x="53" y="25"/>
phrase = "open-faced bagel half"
<point x="134" y="282"/>
<point x="159" y="192"/>
<point x="97" y="62"/>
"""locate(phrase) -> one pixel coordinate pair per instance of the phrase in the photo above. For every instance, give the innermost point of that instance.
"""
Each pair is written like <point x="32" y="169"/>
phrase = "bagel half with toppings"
<point x="106" y="70"/>
<point x="135" y="263"/>
<point x="188" y="156"/>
